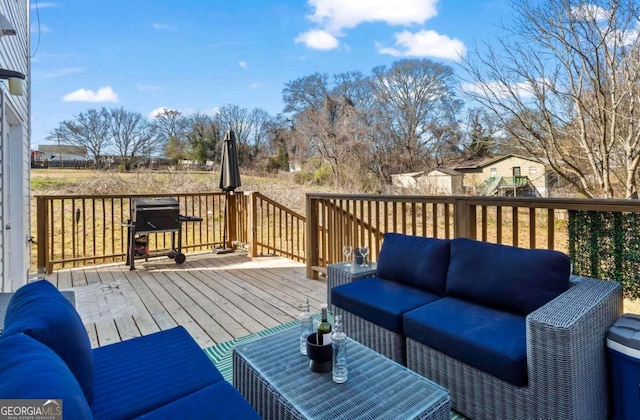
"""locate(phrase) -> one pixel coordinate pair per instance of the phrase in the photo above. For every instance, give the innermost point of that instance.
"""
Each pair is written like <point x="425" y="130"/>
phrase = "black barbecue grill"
<point x="155" y="215"/>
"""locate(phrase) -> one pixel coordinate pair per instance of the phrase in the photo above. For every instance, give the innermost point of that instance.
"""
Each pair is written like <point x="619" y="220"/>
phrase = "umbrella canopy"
<point x="230" y="171"/>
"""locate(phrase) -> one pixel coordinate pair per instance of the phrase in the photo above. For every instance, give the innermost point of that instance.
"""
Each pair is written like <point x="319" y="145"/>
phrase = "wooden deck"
<point x="215" y="297"/>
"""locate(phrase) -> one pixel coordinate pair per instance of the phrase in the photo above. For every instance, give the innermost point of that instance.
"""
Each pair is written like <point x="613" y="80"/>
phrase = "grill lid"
<point x="151" y="203"/>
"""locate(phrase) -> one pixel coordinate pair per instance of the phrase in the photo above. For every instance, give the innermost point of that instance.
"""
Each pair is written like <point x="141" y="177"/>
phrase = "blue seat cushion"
<point x="39" y="310"/>
<point x="380" y="301"/>
<point x="217" y="401"/>
<point x="414" y="261"/>
<point x="487" y="339"/>
<point x="504" y="277"/>
<point x="31" y="370"/>
<point x="142" y="374"/>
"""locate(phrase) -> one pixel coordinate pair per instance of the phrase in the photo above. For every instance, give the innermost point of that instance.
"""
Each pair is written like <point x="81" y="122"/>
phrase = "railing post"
<point x="312" y="236"/>
<point x="252" y="224"/>
<point x="42" y="239"/>
<point x="464" y="220"/>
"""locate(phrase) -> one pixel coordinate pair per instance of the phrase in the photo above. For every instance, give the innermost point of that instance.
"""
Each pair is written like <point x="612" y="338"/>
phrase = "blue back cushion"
<point x="30" y="370"/>
<point x="415" y="261"/>
<point x="39" y="310"/>
<point x="503" y="277"/>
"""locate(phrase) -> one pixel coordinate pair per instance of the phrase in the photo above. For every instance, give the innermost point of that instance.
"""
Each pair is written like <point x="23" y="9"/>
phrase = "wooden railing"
<point x="273" y="229"/>
<point x="357" y="220"/>
<point x="77" y="230"/>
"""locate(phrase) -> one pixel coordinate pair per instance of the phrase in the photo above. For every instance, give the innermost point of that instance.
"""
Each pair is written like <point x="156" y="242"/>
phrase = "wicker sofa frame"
<point x="566" y="359"/>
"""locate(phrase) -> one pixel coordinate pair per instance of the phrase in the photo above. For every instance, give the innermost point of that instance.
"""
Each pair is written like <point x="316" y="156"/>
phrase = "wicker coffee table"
<point x="275" y="378"/>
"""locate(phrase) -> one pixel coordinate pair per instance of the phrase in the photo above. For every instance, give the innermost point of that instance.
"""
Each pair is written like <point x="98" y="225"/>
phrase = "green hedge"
<point x="606" y="245"/>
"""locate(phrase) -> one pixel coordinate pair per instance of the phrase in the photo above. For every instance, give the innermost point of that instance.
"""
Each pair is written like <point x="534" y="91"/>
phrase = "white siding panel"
<point x="14" y="55"/>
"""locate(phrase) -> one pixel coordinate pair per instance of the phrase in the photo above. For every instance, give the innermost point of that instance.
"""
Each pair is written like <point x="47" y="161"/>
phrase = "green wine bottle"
<point x="324" y="329"/>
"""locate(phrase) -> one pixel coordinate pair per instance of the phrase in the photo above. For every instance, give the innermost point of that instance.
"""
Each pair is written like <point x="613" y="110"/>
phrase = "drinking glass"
<point x="364" y="251"/>
<point x="346" y="250"/>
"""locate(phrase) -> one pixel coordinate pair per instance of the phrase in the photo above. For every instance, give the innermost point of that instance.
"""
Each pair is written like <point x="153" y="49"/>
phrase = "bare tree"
<point x="88" y="129"/>
<point x="171" y="127"/>
<point x="305" y="92"/>
<point x="565" y="84"/>
<point x="481" y="133"/>
<point x="330" y="132"/>
<point x="203" y="137"/>
<point x="260" y="126"/>
<point x="414" y="100"/>
<point x="233" y="117"/>
<point x="133" y="135"/>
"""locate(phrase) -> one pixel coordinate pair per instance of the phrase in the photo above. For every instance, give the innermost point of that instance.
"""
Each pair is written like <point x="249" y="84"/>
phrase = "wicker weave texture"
<point x="339" y="274"/>
<point x="275" y="378"/>
<point x="566" y="359"/>
<point x="385" y="342"/>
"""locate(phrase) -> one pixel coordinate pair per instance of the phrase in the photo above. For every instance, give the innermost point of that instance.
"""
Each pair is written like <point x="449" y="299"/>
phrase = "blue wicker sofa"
<point x="45" y="353"/>
<point x="507" y="330"/>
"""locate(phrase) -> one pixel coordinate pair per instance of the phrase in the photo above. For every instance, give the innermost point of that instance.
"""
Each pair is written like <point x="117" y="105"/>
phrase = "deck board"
<point x="215" y="297"/>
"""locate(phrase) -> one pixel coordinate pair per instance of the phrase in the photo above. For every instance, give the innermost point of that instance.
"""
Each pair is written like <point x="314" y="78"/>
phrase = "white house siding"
<point x="535" y="171"/>
<point x="14" y="151"/>
<point x="406" y="180"/>
<point x="441" y="183"/>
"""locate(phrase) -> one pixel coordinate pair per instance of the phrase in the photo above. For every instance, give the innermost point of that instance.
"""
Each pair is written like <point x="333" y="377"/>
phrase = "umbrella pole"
<point x="224" y="249"/>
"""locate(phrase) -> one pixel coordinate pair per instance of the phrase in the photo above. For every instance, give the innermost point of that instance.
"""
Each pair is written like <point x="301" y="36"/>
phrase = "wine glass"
<point x="346" y="250"/>
<point x="364" y="251"/>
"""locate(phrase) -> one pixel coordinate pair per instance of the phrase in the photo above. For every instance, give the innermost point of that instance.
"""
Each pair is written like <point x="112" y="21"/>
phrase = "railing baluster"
<point x="532" y="227"/>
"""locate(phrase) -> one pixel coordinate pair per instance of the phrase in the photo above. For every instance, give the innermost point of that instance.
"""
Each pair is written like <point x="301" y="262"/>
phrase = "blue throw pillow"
<point x="415" y="261"/>
<point x="39" y="310"/>
<point x="30" y="370"/>
<point x="504" y="277"/>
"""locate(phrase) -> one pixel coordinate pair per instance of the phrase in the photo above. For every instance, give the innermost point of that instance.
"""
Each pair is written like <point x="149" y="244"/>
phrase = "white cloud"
<point x="425" y="43"/>
<point x="147" y="88"/>
<point x="318" y="39"/>
<point x="66" y="71"/>
<point x="523" y="90"/>
<point x="589" y="12"/>
<point x="211" y="111"/>
<point x="255" y="85"/>
<point x="159" y="111"/>
<point x="40" y="28"/>
<point x="243" y="65"/>
<point x="104" y="94"/>
<point x="163" y="27"/>
<point x="43" y="5"/>
<point x="335" y="15"/>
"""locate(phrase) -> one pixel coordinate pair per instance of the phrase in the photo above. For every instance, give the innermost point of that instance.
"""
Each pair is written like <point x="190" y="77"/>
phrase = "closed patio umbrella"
<point x="229" y="178"/>
<point x="230" y="171"/>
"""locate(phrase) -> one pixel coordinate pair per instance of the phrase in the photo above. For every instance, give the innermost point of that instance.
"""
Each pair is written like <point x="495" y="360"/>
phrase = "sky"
<point x="199" y="55"/>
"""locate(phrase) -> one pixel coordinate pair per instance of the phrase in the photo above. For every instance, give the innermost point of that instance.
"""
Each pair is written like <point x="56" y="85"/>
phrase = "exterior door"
<point x="15" y="217"/>
<point x="516" y="171"/>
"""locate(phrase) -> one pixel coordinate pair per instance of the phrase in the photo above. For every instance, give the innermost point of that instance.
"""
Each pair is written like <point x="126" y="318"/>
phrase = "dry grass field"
<point x="280" y="188"/>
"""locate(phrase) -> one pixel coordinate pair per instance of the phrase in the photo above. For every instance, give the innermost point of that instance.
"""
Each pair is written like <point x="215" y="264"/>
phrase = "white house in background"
<point x="440" y="181"/>
<point x="510" y="175"/>
<point x="15" y="136"/>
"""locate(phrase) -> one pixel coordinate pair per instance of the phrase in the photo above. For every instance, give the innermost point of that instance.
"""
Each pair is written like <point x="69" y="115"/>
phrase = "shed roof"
<point x="478" y="163"/>
<point x="447" y="171"/>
